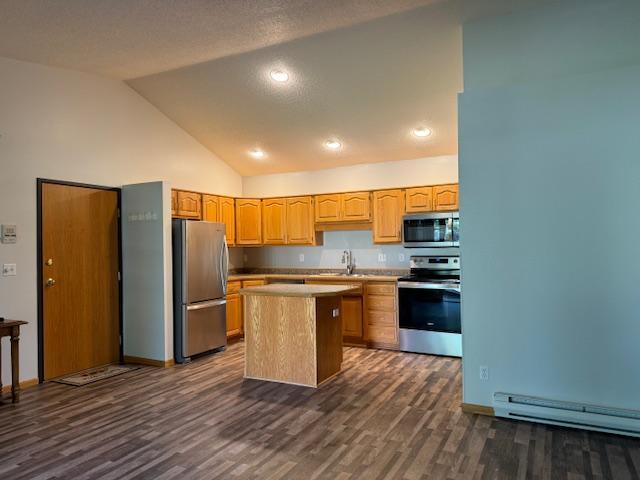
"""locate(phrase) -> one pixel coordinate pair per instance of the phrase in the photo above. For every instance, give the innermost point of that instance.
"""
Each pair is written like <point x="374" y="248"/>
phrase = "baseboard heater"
<point x="568" y="414"/>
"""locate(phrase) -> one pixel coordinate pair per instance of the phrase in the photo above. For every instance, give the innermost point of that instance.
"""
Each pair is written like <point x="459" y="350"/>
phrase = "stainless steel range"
<point x="430" y="306"/>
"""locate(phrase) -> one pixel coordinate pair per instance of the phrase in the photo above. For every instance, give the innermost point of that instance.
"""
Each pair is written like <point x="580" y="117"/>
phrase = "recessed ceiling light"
<point x="257" y="153"/>
<point x="421" y="132"/>
<point x="279" y="75"/>
<point x="332" y="144"/>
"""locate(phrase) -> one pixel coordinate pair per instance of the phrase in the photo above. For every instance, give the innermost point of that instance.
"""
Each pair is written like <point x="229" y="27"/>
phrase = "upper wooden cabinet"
<point x="388" y="208"/>
<point x="299" y="220"/>
<point x="356" y="207"/>
<point x="248" y="221"/>
<point x="210" y="208"/>
<point x="343" y="207"/>
<point x="274" y="221"/>
<point x="174" y="203"/>
<point x="419" y="199"/>
<point x="189" y="205"/>
<point x="445" y="197"/>
<point x="228" y="217"/>
<point x="328" y="208"/>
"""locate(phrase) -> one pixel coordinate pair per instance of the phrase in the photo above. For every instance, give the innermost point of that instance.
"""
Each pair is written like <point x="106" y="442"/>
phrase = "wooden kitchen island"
<point x="293" y="333"/>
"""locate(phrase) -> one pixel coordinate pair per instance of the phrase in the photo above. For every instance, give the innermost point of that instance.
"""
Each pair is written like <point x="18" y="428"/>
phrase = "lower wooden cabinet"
<point x="382" y="314"/>
<point x="352" y="318"/>
<point x="235" y="325"/>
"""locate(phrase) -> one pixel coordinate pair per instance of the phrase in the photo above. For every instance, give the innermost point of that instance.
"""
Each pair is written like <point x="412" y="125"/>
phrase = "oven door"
<point x="431" y="230"/>
<point x="429" y="307"/>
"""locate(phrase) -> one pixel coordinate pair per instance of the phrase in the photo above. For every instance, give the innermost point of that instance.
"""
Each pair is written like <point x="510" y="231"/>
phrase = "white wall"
<point x="422" y="171"/>
<point x="73" y="126"/>
<point x="368" y="176"/>
<point x="549" y="177"/>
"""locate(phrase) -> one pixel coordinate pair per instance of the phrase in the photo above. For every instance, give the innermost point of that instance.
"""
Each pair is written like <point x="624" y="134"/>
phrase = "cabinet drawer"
<point x="252" y="283"/>
<point x="381" y="288"/>
<point x="380" y="318"/>
<point x="234" y="287"/>
<point x="382" y="334"/>
<point x="384" y="303"/>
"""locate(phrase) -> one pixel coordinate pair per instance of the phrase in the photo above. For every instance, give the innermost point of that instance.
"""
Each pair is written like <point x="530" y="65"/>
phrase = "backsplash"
<point x="328" y="256"/>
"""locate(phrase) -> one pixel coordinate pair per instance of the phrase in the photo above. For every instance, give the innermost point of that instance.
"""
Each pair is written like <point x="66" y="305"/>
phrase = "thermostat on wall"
<point x="9" y="234"/>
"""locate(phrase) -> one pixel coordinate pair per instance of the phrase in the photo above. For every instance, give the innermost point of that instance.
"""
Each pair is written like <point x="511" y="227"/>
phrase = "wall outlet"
<point x="382" y="258"/>
<point x="9" y="270"/>
<point x="301" y="258"/>
<point x="401" y="257"/>
<point x="484" y="372"/>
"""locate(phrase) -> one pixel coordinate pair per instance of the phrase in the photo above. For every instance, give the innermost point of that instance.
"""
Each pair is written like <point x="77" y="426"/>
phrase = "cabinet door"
<point x="445" y="197"/>
<point x="352" y="317"/>
<point x="228" y="217"/>
<point x="419" y="199"/>
<point x="274" y="222"/>
<point x="328" y="208"/>
<point x="300" y="230"/>
<point x="189" y="204"/>
<point x="356" y="207"/>
<point x="210" y="208"/>
<point x="174" y="203"/>
<point x="248" y="221"/>
<point x="388" y="208"/>
<point x="234" y="315"/>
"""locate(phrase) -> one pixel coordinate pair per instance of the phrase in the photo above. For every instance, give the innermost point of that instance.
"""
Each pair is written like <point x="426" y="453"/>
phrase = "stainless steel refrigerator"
<point x="200" y="266"/>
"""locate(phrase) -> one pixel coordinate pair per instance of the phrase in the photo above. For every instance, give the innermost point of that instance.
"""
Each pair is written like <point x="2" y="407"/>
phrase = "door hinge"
<point x="118" y="213"/>
<point x="120" y="340"/>
<point x="119" y="277"/>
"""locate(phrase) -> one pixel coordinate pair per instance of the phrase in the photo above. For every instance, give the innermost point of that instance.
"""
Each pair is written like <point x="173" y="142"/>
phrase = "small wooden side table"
<point x="11" y="328"/>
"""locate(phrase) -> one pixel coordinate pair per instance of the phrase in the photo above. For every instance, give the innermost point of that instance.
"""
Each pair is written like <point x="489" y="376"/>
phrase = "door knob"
<point x="50" y="282"/>
<point x="49" y="262"/>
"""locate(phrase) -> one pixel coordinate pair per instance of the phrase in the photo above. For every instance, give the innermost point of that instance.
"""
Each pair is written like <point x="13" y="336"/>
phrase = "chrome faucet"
<point x="347" y="257"/>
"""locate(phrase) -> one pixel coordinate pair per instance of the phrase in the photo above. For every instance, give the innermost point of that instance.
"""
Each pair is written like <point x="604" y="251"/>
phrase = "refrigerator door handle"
<point x="209" y="304"/>
<point x="224" y="265"/>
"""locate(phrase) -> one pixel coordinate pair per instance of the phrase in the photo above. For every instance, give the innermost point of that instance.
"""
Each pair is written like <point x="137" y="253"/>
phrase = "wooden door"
<point x="356" y="207"/>
<point x="388" y="208"/>
<point x="445" y="197"/>
<point x="419" y="199"/>
<point x="174" y="203"/>
<point x="352" y="317"/>
<point x="228" y="217"/>
<point x="300" y="229"/>
<point x="80" y="252"/>
<point x="274" y="221"/>
<point x="328" y="208"/>
<point x="248" y="221"/>
<point x="210" y="208"/>
<point x="189" y="205"/>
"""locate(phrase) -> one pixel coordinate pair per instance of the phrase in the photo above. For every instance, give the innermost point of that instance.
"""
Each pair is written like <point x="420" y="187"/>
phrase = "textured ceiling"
<point x="131" y="38"/>
<point x="363" y="71"/>
<point x="367" y="85"/>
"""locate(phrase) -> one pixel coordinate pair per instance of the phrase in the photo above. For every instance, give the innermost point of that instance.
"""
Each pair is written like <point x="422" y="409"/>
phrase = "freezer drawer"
<point x="205" y="327"/>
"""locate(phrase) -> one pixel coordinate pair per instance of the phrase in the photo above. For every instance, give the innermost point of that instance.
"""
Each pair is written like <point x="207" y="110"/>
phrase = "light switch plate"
<point x="9" y="270"/>
<point x="8" y="234"/>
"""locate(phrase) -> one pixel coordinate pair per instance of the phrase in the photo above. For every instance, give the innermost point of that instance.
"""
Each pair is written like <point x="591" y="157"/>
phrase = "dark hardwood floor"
<point x="388" y="415"/>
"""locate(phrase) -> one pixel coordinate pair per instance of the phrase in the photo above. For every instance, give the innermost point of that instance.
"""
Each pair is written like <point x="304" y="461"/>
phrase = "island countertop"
<point x="297" y="290"/>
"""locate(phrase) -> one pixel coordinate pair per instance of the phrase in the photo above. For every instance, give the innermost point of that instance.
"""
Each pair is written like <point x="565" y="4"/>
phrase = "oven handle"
<point x="430" y="286"/>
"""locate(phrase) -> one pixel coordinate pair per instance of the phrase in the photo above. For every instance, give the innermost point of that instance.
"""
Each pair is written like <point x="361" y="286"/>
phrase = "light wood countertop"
<point x="313" y="276"/>
<point x="297" y="290"/>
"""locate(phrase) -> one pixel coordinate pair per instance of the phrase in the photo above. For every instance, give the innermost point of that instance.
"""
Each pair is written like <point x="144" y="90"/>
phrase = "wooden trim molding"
<point x="23" y="384"/>
<point x="150" y="361"/>
<point x="478" y="409"/>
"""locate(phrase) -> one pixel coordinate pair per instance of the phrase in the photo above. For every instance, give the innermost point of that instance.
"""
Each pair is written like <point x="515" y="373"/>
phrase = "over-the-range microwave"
<point x="431" y="230"/>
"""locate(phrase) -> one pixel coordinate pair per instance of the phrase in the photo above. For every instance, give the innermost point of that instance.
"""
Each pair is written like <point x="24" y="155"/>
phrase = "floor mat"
<point x="95" y="375"/>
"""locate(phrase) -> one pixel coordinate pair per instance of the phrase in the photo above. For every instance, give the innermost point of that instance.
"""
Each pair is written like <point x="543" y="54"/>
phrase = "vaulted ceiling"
<point x="365" y="72"/>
